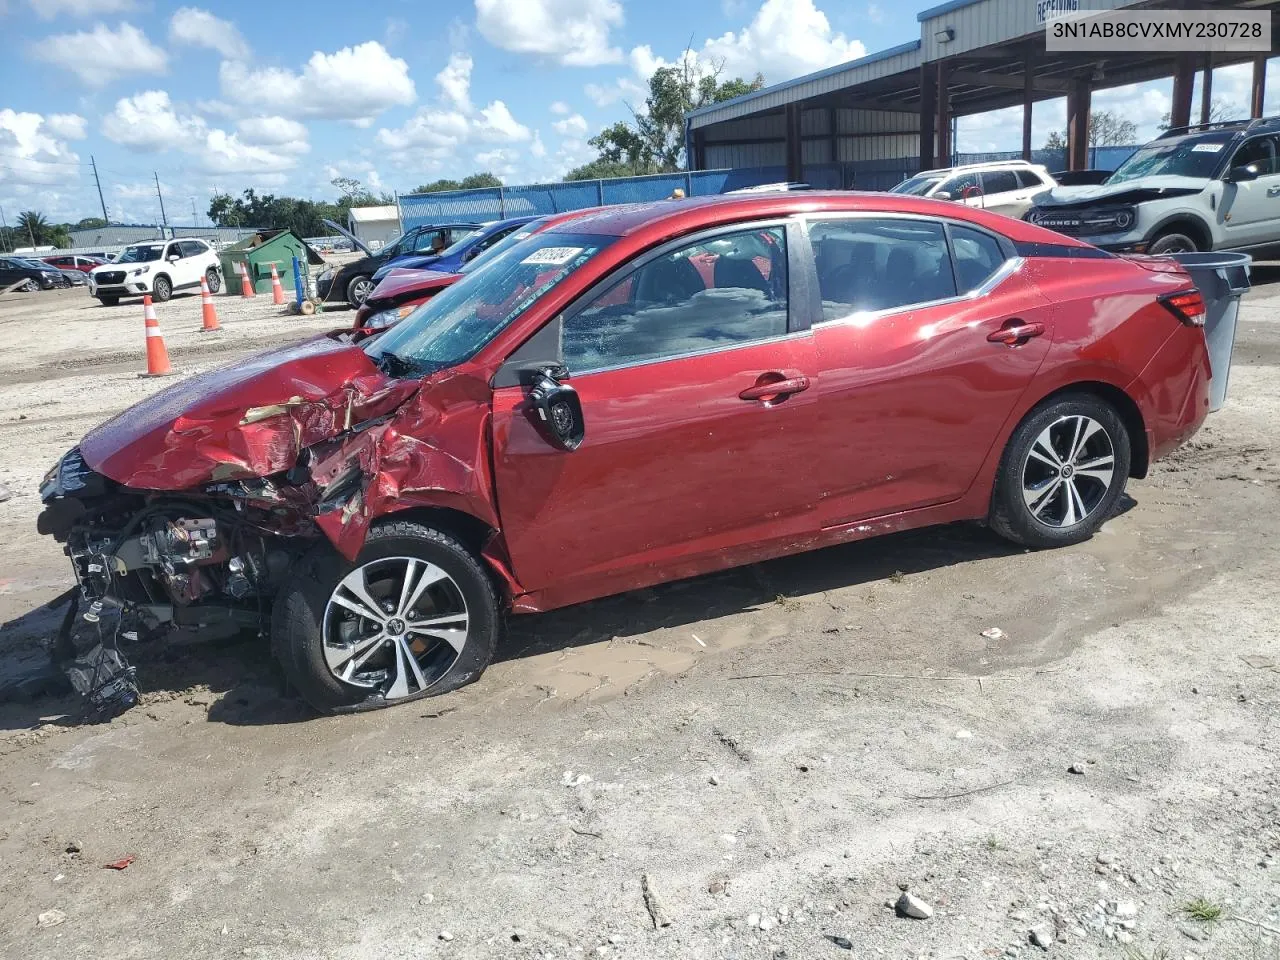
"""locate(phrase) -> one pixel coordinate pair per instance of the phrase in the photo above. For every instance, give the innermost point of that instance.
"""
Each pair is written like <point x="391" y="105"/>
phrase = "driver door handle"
<point x="1273" y="191"/>
<point x="1015" y="332"/>
<point x="777" y="388"/>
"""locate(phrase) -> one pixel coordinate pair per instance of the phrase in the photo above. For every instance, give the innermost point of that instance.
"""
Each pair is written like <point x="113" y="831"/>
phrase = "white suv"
<point x="1005" y="186"/>
<point x="157" y="267"/>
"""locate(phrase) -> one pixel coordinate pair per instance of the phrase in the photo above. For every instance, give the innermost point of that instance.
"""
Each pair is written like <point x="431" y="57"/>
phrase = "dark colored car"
<point x="36" y="274"/>
<point x="353" y="281"/>
<point x="1081" y="178"/>
<point x="75" y="261"/>
<point x="401" y="290"/>
<point x="452" y="259"/>
<point x="633" y="396"/>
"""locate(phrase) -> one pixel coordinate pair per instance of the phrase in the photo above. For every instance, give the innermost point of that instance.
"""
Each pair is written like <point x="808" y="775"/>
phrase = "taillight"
<point x="1187" y="306"/>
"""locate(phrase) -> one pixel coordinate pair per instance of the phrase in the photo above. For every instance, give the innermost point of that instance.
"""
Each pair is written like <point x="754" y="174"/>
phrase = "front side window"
<point x="962" y="186"/>
<point x="719" y="292"/>
<point x="454" y="324"/>
<point x="977" y="256"/>
<point x="1258" y="153"/>
<point x="867" y="264"/>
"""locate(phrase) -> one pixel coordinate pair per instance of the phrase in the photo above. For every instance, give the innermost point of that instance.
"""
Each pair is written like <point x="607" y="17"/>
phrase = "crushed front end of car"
<point x="190" y="509"/>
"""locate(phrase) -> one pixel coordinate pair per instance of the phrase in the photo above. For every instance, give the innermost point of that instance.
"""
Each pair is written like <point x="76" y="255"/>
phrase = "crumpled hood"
<point x="1131" y="191"/>
<point x="248" y="419"/>
<point x="400" y="281"/>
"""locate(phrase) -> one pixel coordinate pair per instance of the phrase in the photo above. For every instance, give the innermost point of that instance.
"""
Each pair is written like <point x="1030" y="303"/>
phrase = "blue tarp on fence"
<point x="497" y="203"/>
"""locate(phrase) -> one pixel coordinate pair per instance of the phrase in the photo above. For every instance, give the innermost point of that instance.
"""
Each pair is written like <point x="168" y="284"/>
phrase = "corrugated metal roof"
<point x="801" y="88"/>
<point x="368" y="214"/>
<point x="942" y="8"/>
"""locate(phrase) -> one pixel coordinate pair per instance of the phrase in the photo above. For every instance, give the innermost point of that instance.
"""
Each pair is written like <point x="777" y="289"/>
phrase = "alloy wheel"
<point x="1068" y="471"/>
<point x="361" y="287"/>
<point x="395" y="626"/>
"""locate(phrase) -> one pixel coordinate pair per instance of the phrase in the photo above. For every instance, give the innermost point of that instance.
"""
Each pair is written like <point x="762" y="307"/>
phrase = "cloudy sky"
<point x="393" y="93"/>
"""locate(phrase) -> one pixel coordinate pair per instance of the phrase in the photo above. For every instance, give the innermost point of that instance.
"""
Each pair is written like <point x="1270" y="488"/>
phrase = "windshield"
<point x="457" y="322"/>
<point x="501" y="247"/>
<point x="1186" y="157"/>
<point x="36" y="264"/>
<point x="917" y="186"/>
<point x="141" y="254"/>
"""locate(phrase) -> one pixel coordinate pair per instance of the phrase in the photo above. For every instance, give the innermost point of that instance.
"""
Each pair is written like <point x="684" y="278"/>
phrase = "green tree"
<point x="1055" y="141"/>
<point x="599" y="169"/>
<point x="653" y="140"/>
<point x="90" y="223"/>
<point x="1106" y="129"/>
<point x="1219" y="110"/>
<point x="475" y="181"/>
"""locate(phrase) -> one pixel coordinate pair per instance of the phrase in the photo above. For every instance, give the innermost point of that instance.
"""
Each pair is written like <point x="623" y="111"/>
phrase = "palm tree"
<point x="35" y="226"/>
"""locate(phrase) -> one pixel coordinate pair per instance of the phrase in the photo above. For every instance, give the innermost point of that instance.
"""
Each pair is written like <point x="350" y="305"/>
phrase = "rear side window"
<point x="999" y="181"/>
<point x="715" y="293"/>
<point x="868" y="264"/>
<point x="1029" y="178"/>
<point x="977" y="256"/>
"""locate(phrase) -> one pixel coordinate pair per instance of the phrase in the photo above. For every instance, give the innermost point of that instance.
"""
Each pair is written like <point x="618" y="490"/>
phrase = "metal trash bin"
<point x="1222" y="279"/>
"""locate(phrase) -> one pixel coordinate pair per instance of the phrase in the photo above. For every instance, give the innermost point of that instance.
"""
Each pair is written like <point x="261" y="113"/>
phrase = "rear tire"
<point x="1062" y="472"/>
<point x="343" y="653"/>
<point x="109" y="301"/>
<point x="1172" y="242"/>
<point x="214" y="279"/>
<point x="161" y="290"/>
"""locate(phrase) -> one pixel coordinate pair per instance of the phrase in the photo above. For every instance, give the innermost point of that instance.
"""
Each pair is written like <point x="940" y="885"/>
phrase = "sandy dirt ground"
<point x="779" y="749"/>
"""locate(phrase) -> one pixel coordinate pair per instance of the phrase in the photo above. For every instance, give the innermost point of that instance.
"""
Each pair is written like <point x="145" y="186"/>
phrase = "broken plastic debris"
<point x="993" y="633"/>
<point x="51" y="918"/>
<point x="119" y="864"/>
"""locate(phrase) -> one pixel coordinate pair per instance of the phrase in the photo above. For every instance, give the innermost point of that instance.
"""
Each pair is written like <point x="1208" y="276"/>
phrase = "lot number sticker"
<point x="552" y="256"/>
<point x="1206" y="148"/>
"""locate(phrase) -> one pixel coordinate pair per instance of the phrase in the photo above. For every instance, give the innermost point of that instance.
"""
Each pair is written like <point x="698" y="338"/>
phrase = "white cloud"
<point x="48" y="9"/>
<point x="273" y="132"/>
<point x="68" y="126"/>
<point x="148" y="122"/>
<point x="537" y="149"/>
<point x="575" y="125"/>
<point x="502" y="163"/>
<point x="560" y="108"/>
<point x="34" y="148"/>
<point x="355" y="84"/>
<point x="101" y="55"/>
<point x="874" y="13"/>
<point x="217" y="108"/>
<point x="200" y="28"/>
<point x="496" y="125"/>
<point x="427" y="128"/>
<point x="455" y="81"/>
<point x="786" y="38"/>
<point x="573" y="32"/>
<point x="226" y="153"/>
<point x="624" y="88"/>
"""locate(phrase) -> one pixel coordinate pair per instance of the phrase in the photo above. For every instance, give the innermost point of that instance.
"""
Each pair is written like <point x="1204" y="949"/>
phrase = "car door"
<point x="1250" y="212"/>
<point x="963" y="188"/>
<point x="1002" y="193"/>
<point x="9" y="273"/>
<point x="911" y="388"/>
<point x="694" y="370"/>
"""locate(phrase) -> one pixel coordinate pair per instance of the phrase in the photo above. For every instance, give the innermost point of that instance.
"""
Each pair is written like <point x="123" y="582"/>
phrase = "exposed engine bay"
<point x="147" y="563"/>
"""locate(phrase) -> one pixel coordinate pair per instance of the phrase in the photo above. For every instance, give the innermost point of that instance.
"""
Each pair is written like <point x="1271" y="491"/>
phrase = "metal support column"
<point x="1078" y="105"/>
<point x="1028" y="89"/>
<point x="928" y="115"/>
<point x="1206" y="88"/>
<point x="795" y="171"/>
<point x="1259" y="93"/>
<point x="1184" y="79"/>
<point x="944" y="116"/>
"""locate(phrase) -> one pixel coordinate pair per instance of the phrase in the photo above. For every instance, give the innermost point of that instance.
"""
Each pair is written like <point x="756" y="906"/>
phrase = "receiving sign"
<point x="1051" y="8"/>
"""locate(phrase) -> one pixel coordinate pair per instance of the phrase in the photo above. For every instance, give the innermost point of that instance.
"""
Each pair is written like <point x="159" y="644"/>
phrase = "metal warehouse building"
<point x="848" y="122"/>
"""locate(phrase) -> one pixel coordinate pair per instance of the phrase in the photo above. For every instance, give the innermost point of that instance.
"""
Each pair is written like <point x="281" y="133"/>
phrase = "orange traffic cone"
<point x="157" y="355"/>
<point x="277" y="291"/>
<point x="246" y="288"/>
<point x="209" y="311"/>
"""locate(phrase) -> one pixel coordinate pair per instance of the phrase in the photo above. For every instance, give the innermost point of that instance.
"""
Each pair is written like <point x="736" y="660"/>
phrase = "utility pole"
<point x="163" y="219"/>
<point x="195" y="217"/>
<point x="4" y="223"/>
<point x="94" y="163"/>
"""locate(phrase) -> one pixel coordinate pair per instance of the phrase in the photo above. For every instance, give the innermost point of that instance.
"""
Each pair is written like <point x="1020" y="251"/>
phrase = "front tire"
<point x="1062" y="472"/>
<point x="108" y="301"/>
<point x="1172" y="242"/>
<point x="161" y="290"/>
<point x="415" y="616"/>
<point x="358" y="290"/>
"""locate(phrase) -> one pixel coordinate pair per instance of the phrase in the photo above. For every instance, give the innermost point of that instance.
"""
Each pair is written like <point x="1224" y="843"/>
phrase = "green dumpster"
<point x="257" y="252"/>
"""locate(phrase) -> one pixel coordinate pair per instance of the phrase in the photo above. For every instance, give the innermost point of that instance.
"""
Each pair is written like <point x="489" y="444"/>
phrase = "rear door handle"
<point x="776" y="388"/>
<point x="1015" y="332"/>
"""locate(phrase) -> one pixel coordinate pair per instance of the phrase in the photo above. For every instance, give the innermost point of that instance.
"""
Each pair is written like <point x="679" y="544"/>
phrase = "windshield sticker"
<point x="552" y="256"/>
<point x="1207" y="147"/>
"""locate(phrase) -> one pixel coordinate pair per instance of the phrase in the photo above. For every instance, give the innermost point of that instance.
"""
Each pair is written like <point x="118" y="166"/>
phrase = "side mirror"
<point x="173" y="258"/>
<point x="1242" y="174"/>
<point x="942" y="195"/>
<point x="558" y="409"/>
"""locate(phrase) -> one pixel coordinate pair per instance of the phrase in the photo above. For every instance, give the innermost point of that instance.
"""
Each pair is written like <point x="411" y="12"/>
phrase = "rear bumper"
<point x="1176" y="385"/>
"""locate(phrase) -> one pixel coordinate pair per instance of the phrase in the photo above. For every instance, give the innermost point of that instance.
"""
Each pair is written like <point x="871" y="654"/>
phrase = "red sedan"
<point x="632" y="396"/>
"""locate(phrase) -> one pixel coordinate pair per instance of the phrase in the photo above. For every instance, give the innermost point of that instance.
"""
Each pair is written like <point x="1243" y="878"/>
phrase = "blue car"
<point x="451" y="259"/>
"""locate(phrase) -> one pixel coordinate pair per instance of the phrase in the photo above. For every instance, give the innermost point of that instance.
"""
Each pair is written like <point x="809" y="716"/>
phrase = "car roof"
<point x="989" y="165"/>
<point x="679" y="216"/>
